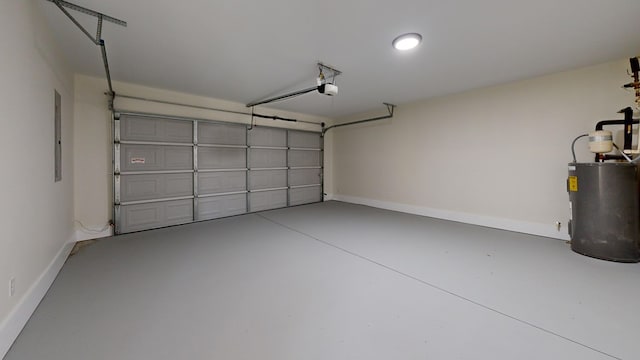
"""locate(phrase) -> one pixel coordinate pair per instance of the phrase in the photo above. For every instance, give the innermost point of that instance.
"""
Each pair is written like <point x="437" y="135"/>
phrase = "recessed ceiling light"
<point x="407" y="41"/>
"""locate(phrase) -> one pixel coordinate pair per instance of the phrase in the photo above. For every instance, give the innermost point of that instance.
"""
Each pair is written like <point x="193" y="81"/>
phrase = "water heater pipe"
<point x="628" y="122"/>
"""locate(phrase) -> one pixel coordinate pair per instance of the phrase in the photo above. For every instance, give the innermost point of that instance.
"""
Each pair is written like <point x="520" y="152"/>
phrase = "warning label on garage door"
<point x="137" y="160"/>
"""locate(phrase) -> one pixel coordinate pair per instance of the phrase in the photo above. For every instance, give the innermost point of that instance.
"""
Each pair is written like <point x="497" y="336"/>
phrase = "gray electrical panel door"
<point x="170" y="171"/>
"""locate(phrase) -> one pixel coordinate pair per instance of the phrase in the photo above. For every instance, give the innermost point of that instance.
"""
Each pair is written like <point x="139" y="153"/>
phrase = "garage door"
<point x="170" y="171"/>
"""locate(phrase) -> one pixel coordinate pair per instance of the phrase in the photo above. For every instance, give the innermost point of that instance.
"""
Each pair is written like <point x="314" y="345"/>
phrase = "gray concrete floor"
<point x="334" y="281"/>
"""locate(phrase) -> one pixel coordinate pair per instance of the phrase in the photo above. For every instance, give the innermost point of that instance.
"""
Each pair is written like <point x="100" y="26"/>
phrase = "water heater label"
<point x="573" y="183"/>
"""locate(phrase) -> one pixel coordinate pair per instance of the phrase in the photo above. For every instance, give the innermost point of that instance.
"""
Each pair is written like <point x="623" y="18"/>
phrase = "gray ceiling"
<point x="245" y="50"/>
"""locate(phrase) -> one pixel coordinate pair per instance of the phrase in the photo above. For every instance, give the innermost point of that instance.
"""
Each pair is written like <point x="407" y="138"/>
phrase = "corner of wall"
<point x="89" y="234"/>
<point x="12" y="325"/>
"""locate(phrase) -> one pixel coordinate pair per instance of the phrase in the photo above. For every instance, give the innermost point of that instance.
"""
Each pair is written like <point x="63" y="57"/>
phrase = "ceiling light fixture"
<point x="407" y="41"/>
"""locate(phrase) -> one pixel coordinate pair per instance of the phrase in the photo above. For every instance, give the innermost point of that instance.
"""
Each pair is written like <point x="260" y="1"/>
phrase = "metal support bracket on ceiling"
<point x="321" y="67"/>
<point x="61" y="4"/>
<point x="390" y="109"/>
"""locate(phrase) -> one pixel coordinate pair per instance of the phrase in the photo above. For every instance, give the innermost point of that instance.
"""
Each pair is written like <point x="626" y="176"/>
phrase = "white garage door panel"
<point x="221" y="134"/>
<point x="267" y="179"/>
<point x="221" y="182"/>
<point x="298" y="158"/>
<point x="301" y="139"/>
<point x="305" y="163"/>
<point x="219" y="206"/>
<point x="153" y="215"/>
<point x="157" y="130"/>
<point x="305" y="177"/>
<point x="266" y="200"/>
<point x="156" y="186"/>
<point x="267" y="158"/>
<point x="263" y="136"/>
<point x="306" y="195"/>
<point x="221" y="158"/>
<point x="170" y="171"/>
<point x="156" y="158"/>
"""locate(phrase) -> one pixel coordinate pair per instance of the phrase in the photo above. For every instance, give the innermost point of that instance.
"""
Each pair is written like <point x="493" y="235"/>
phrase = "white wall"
<point x="495" y="156"/>
<point x="36" y="218"/>
<point x="93" y="148"/>
<point x="92" y="157"/>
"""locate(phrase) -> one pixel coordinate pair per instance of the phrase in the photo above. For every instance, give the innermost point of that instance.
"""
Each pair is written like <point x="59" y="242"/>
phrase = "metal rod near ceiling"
<point x="390" y="109"/>
<point x="273" y="117"/>
<point x="283" y="97"/>
<point x="321" y="77"/>
<point x="97" y="40"/>
<point x="61" y="4"/>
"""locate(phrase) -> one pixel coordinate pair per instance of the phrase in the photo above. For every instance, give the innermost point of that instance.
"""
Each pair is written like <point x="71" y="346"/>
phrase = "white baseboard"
<point x="474" y="219"/>
<point x="328" y="197"/>
<point x="11" y="326"/>
<point x="82" y="234"/>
